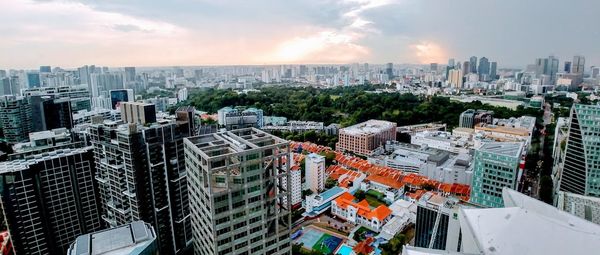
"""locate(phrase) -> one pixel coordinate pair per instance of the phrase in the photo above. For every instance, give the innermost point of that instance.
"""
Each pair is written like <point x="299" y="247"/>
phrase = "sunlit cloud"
<point x="429" y="52"/>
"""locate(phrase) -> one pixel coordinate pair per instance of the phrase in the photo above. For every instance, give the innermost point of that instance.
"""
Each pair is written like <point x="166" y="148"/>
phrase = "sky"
<point x="71" y="33"/>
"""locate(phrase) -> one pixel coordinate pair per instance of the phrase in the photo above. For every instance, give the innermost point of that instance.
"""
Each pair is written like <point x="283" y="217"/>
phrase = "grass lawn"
<point x="374" y="198"/>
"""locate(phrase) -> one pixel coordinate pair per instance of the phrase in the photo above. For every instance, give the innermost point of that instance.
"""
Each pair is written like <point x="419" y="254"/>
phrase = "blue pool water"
<point x="344" y="250"/>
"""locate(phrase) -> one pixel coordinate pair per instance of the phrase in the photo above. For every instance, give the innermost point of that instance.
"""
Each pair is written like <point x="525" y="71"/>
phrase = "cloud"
<point x="429" y="52"/>
<point x="195" y="32"/>
<point x="129" y="28"/>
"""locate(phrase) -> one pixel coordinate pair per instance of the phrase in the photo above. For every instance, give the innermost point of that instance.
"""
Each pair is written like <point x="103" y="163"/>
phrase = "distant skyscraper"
<point x="33" y="80"/>
<point x="483" y="69"/>
<point x="15" y="118"/>
<point x="102" y="83"/>
<point x="451" y="62"/>
<point x="129" y="74"/>
<point x="239" y="208"/>
<point x="567" y="68"/>
<point x="45" y="69"/>
<point x="466" y="67"/>
<point x="595" y="71"/>
<point x="578" y="65"/>
<point x="389" y="70"/>
<point x="493" y="70"/>
<point x="496" y="165"/>
<point x="580" y="174"/>
<point x="49" y="200"/>
<point x="9" y="86"/>
<point x="433" y="67"/>
<point x="473" y="64"/>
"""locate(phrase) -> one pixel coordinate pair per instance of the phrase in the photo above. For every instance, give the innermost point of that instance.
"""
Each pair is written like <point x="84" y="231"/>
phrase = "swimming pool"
<point x="344" y="250"/>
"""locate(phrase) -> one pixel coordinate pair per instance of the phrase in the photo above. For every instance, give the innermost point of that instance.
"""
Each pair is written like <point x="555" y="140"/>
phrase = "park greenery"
<point x="347" y="105"/>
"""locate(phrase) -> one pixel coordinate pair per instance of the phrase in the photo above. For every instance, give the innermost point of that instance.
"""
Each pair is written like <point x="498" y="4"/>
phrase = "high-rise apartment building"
<point x="436" y="215"/>
<point x="365" y="137"/>
<point x="78" y="95"/>
<point x="50" y="199"/>
<point x="136" y="112"/>
<point x="135" y="238"/>
<point x="141" y="176"/>
<point x="455" y="78"/>
<point x="315" y="172"/>
<point x="496" y="165"/>
<point x="580" y="172"/>
<point x="237" y="194"/>
<point x="102" y="83"/>
<point x="15" y="118"/>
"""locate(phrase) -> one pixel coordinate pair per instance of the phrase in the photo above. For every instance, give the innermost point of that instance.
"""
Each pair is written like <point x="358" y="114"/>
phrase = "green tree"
<point x="330" y="183"/>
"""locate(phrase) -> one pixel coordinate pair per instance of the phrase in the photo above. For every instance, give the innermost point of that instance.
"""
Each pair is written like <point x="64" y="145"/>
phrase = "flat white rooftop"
<point x="511" y="149"/>
<point x="369" y="127"/>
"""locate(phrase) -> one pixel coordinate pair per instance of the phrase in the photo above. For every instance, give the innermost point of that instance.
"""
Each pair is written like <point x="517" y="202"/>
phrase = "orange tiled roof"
<point x="381" y="212"/>
<point x="355" y="163"/>
<point x="364" y="247"/>
<point x="363" y="208"/>
<point x="390" y="181"/>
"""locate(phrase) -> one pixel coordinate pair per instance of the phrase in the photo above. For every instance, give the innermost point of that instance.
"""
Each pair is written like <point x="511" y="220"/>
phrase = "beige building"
<point x="455" y="78"/>
<point x="139" y="113"/>
<point x="365" y="137"/>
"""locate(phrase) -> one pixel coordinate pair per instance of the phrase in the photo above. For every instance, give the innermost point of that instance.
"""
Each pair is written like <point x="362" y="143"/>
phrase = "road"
<point x="535" y="184"/>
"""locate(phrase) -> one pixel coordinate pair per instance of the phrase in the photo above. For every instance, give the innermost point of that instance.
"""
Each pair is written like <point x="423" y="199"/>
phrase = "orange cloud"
<point x="429" y="52"/>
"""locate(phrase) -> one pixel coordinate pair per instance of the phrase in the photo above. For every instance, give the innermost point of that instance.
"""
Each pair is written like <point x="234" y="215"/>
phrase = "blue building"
<point x="33" y="80"/>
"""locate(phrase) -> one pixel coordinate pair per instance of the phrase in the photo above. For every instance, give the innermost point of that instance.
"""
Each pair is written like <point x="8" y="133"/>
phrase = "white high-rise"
<point x="315" y="172"/>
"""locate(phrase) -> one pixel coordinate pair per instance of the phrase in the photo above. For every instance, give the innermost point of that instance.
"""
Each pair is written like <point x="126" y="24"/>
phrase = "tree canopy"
<point x="347" y="105"/>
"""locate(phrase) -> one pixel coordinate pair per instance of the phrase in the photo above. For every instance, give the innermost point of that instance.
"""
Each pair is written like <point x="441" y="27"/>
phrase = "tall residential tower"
<point x="237" y="194"/>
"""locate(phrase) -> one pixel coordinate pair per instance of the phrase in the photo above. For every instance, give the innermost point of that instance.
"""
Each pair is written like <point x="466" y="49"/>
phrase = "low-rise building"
<point x="136" y="238"/>
<point x="443" y="141"/>
<point x="316" y="204"/>
<point x="413" y="129"/>
<point x="348" y="208"/>
<point x="392" y="188"/>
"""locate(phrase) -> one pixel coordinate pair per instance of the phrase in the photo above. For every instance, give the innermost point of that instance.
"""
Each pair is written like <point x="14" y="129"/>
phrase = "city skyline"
<point x="187" y="33"/>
